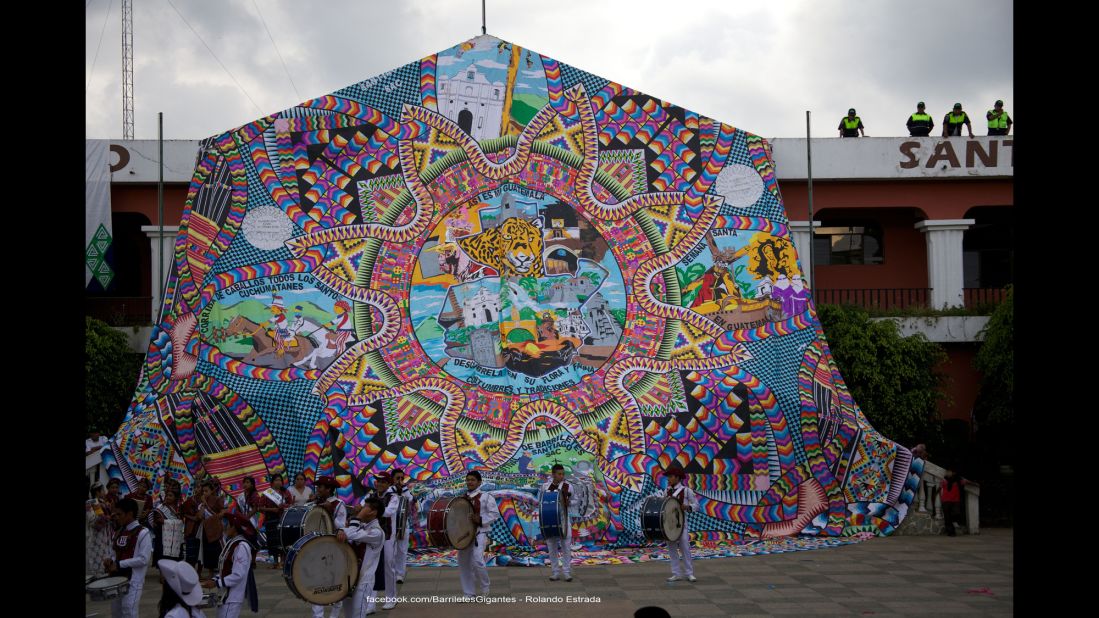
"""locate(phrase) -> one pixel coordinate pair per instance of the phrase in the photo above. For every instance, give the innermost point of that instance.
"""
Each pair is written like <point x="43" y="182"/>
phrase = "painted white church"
<point x="471" y="101"/>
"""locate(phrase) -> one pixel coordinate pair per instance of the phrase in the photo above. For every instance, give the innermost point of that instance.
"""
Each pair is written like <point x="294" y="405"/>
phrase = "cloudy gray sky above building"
<point x="756" y="66"/>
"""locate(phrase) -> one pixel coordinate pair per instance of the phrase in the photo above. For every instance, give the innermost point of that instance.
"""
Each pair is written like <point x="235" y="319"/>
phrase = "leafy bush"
<point x="110" y="374"/>
<point x="893" y="379"/>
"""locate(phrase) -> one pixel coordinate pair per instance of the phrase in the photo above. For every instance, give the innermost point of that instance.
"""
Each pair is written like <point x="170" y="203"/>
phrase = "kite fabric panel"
<point x="490" y="260"/>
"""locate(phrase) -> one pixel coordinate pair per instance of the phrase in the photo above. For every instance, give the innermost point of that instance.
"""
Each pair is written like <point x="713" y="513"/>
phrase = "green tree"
<point x="110" y="374"/>
<point x="893" y="379"/>
<point x="995" y="360"/>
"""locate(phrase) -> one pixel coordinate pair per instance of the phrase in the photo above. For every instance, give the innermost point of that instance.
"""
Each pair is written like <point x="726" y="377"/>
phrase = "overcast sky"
<point x="756" y="66"/>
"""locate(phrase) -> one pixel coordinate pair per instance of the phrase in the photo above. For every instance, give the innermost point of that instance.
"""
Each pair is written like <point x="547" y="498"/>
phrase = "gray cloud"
<point x="755" y="67"/>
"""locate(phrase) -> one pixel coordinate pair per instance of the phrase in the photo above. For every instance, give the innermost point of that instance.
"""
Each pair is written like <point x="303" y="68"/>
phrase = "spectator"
<point x="192" y="524"/>
<point x="999" y="123"/>
<point x="168" y="527"/>
<point x="92" y="459"/>
<point x="951" y="498"/>
<point x="953" y="121"/>
<point x="301" y="492"/>
<point x="851" y="125"/>
<point x="143" y="499"/>
<point x="920" y="124"/>
<point x="97" y="530"/>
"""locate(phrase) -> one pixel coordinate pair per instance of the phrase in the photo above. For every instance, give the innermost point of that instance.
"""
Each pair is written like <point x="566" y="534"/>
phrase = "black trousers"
<point x="952" y="511"/>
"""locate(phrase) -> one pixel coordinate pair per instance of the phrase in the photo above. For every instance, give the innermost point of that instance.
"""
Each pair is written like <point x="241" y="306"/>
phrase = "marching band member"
<point x="365" y="531"/>
<point x="383" y="485"/>
<point x="327" y="499"/>
<point x="133" y="549"/>
<point x="471" y="560"/>
<point x="235" y="565"/>
<point x="400" y="540"/>
<point x="560" y="547"/>
<point x="679" y="552"/>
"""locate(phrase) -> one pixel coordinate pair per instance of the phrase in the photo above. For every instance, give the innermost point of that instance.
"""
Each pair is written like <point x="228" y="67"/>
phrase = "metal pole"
<point x="160" y="209"/>
<point x="483" y="29"/>
<point x="812" y="232"/>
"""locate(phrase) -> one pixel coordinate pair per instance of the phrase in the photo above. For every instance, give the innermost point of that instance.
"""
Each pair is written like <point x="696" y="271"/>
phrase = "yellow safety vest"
<point x="997" y="123"/>
<point x="851" y="124"/>
<point x="919" y="117"/>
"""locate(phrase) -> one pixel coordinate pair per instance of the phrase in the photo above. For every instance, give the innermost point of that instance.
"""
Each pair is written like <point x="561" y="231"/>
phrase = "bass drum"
<point x="304" y="519"/>
<point x="449" y="524"/>
<point x="661" y="519"/>
<point x="553" y="516"/>
<point x="320" y="569"/>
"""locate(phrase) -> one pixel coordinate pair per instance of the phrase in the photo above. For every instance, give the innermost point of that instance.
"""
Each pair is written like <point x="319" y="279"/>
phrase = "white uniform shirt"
<point x="369" y="533"/>
<point x="142" y="555"/>
<point x="236" y="581"/>
<point x="489" y="511"/>
<point x="339" y="515"/>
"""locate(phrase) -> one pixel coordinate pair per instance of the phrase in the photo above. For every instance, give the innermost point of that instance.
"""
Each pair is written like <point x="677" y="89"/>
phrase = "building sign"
<point x="948" y="153"/>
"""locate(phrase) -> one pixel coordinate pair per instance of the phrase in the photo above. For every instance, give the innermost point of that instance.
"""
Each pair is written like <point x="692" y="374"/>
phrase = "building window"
<point x="848" y="242"/>
<point x="469" y="74"/>
<point x="496" y="93"/>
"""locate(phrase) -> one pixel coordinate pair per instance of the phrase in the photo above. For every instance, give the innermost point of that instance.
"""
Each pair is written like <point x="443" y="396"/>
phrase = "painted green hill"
<point x="429" y="329"/>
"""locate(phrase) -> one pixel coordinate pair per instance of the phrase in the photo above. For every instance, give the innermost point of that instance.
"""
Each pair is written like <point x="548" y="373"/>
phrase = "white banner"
<point x="97" y="211"/>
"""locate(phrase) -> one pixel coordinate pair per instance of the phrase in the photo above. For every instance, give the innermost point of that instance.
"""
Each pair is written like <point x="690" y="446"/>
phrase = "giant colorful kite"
<point x="488" y="259"/>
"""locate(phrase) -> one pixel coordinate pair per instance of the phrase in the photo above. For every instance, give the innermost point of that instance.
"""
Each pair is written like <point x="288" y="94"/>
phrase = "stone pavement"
<point x="892" y="576"/>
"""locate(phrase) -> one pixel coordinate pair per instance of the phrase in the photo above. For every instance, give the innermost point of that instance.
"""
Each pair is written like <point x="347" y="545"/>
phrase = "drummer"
<point x="560" y="548"/>
<point x="235" y="568"/>
<point x="400" y="541"/>
<point x="679" y="552"/>
<point x="133" y="549"/>
<point x="471" y="560"/>
<point x="365" y="530"/>
<point x="326" y="498"/>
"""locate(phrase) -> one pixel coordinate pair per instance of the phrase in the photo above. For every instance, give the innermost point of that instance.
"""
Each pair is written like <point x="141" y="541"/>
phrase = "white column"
<point x="802" y="236"/>
<point x="944" y="260"/>
<point x="162" y="245"/>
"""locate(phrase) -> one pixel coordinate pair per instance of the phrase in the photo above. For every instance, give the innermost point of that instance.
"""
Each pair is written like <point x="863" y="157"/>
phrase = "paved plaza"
<point x="894" y="576"/>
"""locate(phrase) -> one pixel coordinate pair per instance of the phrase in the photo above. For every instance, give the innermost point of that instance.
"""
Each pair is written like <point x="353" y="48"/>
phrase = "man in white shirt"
<point x="133" y="549"/>
<point x="365" y="532"/>
<point x="560" y="548"/>
<point x="92" y="459"/>
<point x="679" y="552"/>
<point x="235" y="568"/>
<point x="471" y="560"/>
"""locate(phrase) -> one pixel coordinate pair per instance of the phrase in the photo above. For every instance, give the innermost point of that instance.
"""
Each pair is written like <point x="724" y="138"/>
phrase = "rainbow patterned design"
<point x="356" y="200"/>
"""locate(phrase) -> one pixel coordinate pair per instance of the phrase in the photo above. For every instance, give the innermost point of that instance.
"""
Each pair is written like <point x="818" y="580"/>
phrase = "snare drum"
<point x="553" y="515"/>
<point x="662" y="519"/>
<point x="320" y="569"/>
<point x="404" y="503"/>
<point x="304" y="519"/>
<point x="107" y="588"/>
<point x="449" y="524"/>
<point x="210" y="600"/>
